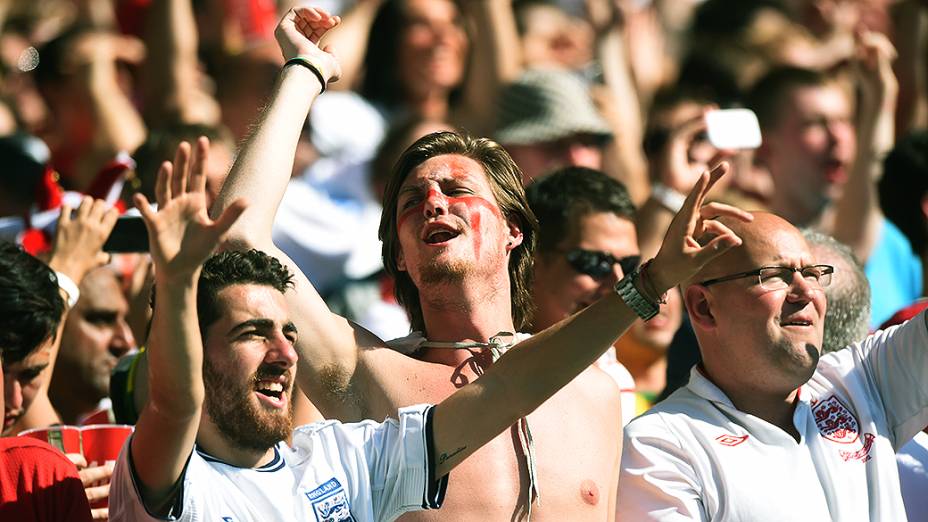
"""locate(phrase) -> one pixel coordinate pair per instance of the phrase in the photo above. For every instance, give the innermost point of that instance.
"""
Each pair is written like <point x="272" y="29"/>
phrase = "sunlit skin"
<point x="253" y="337"/>
<point x="809" y="151"/>
<point x="759" y="345"/>
<point x="560" y="291"/>
<point x="449" y="224"/>
<point x="22" y="381"/>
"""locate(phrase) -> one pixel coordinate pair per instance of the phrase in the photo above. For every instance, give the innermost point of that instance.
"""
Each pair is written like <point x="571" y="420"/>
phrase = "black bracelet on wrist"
<point x="306" y="62"/>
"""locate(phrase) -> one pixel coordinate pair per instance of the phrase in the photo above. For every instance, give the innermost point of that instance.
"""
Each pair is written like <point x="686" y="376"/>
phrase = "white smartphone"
<point x="733" y="129"/>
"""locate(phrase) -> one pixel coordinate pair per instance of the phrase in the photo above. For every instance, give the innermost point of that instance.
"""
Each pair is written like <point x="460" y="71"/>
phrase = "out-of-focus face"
<point x="552" y="38"/>
<point x="772" y="335"/>
<point x="658" y="332"/>
<point x="810" y="150"/>
<point x="559" y="289"/>
<point x="95" y="336"/>
<point x="449" y="223"/>
<point x="538" y="159"/>
<point x="433" y="47"/>
<point x="21" y="383"/>
<point x="249" y="366"/>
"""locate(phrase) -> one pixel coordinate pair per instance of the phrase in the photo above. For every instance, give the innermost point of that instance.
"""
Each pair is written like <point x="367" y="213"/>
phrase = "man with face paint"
<point x="765" y="411"/>
<point x="458" y="238"/>
<point x="223" y="354"/>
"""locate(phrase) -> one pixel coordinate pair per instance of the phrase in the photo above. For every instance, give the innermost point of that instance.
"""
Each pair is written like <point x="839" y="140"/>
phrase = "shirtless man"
<point x="459" y="238"/>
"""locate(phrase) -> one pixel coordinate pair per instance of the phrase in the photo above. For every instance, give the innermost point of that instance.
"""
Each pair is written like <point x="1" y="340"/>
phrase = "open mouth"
<point x="439" y="233"/>
<point x="272" y="391"/>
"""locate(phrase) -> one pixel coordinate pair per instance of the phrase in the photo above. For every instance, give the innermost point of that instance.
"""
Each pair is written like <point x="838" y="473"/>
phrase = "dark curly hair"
<point x="30" y="303"/>
<point x="234" y="267"/>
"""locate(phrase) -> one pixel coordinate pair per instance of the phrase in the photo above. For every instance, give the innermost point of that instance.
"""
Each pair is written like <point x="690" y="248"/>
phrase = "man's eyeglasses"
<point x="599" y="264"/>
<point x="780" y="277"/>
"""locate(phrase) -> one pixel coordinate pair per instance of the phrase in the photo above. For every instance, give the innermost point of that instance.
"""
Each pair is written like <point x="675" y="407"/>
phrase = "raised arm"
<point x="171" y="86"/>
<point x="858" y="218"/>
<point x="328" y="344"/>
<point x="181" y="237"/>
<point x="75" y="252"/>
<point x="496" y="59"/>
<point x="535" y="369"/>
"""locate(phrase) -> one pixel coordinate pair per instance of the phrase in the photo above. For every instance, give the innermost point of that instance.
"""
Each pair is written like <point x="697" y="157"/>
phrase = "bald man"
<point x="767" y="428"/>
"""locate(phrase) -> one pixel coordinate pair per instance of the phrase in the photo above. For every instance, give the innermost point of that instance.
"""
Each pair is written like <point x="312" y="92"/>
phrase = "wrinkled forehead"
<point x="767" y="241"/>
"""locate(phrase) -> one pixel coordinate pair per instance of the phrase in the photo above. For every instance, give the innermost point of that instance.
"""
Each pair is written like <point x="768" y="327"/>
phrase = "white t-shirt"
<point x="913" y="477"/>
<point x="695" y="456"/>
<point x="360" y="472"/>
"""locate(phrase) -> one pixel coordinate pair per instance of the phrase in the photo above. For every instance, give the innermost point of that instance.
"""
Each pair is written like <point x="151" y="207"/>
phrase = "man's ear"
<point x="515" y="237"/>
<point x="400" y="261"/>
<point x="699" y="302"/>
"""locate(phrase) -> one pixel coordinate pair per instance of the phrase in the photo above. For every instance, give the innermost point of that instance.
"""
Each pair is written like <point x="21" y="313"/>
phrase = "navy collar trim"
<point x="277" y="463"/>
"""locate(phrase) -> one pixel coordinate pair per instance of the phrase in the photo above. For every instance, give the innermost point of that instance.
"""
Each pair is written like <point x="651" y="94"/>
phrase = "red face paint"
<point x="472" y="202"/>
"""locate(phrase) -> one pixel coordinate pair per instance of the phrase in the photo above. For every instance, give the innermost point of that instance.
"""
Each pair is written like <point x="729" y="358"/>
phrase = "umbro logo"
<point x="730" y="440"/>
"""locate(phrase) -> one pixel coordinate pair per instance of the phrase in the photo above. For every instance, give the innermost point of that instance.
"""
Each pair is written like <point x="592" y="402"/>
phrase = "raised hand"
<point x="181" y="233"/>
<point x="682" y="254"/>
<point x="298" y="34"/>
<point x="79" y="238"/>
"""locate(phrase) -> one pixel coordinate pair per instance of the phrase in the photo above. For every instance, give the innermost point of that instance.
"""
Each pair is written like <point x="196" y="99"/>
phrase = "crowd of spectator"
<point x="314" y="256"/>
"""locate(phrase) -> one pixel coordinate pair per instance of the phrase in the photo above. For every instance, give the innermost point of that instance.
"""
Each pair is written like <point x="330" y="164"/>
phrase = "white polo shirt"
<point x="360" y="472"/>
<point x="695" y="456"/>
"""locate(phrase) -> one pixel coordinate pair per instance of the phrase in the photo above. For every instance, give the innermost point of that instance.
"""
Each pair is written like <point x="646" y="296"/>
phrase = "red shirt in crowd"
<point x="38" y="483"/>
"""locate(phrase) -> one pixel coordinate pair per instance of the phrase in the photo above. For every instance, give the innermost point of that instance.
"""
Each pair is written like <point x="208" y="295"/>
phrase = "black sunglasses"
<point x="599" y="264"/>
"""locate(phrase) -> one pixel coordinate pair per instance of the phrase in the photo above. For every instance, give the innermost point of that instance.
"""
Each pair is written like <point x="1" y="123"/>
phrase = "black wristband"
<point x="306" y="62"/>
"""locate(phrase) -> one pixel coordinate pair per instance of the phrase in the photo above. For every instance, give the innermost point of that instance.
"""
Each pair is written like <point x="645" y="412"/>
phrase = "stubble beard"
<point x="436" y="271"/>
<point x="239" y="419"/>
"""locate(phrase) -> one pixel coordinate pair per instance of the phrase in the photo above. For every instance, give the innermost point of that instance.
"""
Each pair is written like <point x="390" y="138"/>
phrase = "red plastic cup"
<point x="66" y="439"/>
<point x="103" y="442"/>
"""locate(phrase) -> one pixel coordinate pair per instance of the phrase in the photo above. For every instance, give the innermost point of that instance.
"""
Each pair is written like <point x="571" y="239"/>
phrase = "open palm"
<point x="181" y="233"/>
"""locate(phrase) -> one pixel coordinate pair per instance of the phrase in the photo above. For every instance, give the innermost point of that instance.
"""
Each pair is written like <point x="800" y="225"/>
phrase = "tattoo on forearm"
<point x="445" y="456"/>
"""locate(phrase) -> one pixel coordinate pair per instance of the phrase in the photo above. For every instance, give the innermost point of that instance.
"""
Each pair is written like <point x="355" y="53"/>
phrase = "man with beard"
<point x="222" y="336"/>
<point x="765" y="411"/>
<point x="458" y="240"/>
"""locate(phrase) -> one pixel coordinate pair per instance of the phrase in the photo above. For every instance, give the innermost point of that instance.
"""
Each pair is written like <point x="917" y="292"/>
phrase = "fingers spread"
<point x="181" y="169"/>
<point x="197" y="182"/>
<point x="163" y="184"/>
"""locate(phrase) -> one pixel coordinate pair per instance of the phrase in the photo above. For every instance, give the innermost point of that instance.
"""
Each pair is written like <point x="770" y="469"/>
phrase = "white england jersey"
<point x="697" y="457"/>
<point x="360" y="472"/>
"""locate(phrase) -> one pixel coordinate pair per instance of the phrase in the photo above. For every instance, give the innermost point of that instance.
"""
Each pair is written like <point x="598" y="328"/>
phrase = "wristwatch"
<point x="633" y="298"/>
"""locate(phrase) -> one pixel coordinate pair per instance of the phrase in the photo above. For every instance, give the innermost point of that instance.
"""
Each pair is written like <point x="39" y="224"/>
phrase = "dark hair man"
<point x="456" y="225"/>
<point x="222" y="363"/>
<point x="823" y="429"/>
<point x="36" y="481"/>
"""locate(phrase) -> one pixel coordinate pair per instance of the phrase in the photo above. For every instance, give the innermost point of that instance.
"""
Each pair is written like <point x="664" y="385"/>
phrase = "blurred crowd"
<point x="601" y="104"/>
